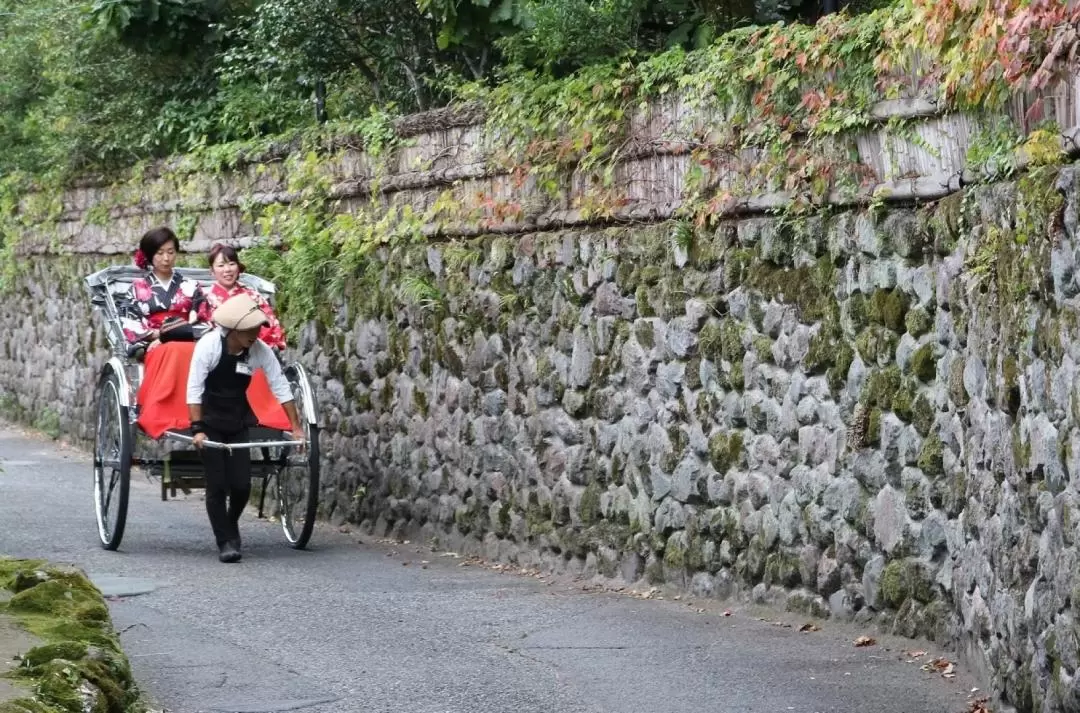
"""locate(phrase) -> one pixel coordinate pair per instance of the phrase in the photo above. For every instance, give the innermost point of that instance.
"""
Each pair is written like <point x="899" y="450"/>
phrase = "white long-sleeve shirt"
<point x="208" y="354"/>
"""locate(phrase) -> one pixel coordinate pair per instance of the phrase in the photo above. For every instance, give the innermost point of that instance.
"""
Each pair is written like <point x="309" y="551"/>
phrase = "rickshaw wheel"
<point x="112" y="462"/>
<point x="297" y="483"/>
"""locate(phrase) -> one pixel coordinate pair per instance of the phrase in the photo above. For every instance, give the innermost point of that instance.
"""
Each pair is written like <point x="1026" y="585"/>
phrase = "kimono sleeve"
<point x="134" y="309"/>
<point x="272" y="334"/>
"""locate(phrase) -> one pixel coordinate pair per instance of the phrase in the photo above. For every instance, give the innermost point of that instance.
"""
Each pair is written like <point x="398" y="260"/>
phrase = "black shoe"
<point x="230" y="552"/>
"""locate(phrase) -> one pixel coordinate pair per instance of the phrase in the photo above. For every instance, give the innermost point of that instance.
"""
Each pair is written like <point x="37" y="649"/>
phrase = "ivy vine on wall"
<point x="774" y="107"/>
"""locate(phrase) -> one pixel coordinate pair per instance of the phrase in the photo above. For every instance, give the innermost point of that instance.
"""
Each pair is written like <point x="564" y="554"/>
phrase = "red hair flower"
<point x="140" y="260"/>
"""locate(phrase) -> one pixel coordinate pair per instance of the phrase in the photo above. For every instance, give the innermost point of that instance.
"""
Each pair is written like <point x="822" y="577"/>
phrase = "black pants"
<point x="228" y="477"/>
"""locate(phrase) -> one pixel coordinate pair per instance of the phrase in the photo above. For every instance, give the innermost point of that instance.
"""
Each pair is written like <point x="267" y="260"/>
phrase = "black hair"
<point x="228" y="251"/>
<point x="153" y="241"/>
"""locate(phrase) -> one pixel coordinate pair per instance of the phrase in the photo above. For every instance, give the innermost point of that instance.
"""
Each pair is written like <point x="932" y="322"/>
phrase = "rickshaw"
<point x="122" y="440"/>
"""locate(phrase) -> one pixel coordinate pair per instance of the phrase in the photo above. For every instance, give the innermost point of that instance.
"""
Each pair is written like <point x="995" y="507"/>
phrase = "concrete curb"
<point x="76" y="664"/>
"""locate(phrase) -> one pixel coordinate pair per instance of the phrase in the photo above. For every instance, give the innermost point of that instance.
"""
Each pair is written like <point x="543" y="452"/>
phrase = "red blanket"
<point x="163" y="393"/>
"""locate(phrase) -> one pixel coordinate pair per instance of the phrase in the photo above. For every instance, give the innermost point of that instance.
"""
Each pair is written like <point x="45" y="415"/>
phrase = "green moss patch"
<point x="881" y="388"/>
<point x="725" y="450"/>
<point x="924" y="363"/>
<point x="930" y="457"/>
<point x="905" y="580"/>
<point x="918" y="321"/>
<point x="888" y="308"/>
<point x="876" y="345"/>
<point x="810" y="288"/>
<point x="79" y="666"/>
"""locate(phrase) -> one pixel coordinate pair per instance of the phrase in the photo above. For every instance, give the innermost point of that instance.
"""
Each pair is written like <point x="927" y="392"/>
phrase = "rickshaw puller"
<point x="221" y="369"/>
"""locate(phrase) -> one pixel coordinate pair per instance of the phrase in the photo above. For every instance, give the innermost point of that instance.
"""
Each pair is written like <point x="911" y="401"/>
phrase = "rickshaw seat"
<point x="162" y="395"/>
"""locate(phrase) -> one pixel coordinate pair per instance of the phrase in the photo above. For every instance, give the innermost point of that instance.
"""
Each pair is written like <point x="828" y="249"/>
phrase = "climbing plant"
<point x="759" y="110"/>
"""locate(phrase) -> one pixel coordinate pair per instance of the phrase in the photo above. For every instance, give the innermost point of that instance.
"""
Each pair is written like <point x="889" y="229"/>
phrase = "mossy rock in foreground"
<point x="79" y="666"/>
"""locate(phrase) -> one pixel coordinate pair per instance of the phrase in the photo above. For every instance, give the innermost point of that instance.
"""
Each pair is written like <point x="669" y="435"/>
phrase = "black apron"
<point x="225" y="406"/>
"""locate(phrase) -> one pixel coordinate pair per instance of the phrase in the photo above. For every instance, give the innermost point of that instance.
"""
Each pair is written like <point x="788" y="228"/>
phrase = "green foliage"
<point x="100" y="84"/>
<point x="173" y="26"/>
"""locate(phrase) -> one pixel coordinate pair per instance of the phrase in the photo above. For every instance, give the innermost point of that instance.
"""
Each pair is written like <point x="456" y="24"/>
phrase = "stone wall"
<point x="51" y="348"/>
<point x="869" y="415"/>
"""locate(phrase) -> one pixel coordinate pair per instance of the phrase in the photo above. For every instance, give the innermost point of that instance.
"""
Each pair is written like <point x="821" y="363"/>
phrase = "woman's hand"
<point x="197" y="440"/>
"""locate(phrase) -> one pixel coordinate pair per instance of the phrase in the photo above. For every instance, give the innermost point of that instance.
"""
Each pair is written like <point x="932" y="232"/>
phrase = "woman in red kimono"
<point x="162" y="306"/>
<point x="226" y="267"/>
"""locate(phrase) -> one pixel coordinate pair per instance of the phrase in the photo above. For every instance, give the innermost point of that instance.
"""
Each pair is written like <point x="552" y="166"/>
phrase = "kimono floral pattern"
<point x="151" y="302"/>
<point x="272" y="334"/>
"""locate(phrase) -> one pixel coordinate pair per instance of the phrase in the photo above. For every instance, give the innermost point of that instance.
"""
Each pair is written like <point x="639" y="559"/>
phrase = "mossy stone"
<point x="762" y="347"/>
<point x="725" y="450"/>
<point x="905" y="580"/>
<point x="782" y="569"/>
<point x="903" y="402"/>
<point x="645" y="334"/>
<point x="650" y="274"/>
<point x="675" y="551"/>
<point x="692" y="376"/>
<point x="731" y="344"/>
<point x="881" y="387"/>
<point x="641" y="300"/>
<point x="654" y="571"/>
<point x="957" y="391"/>
<point x="856" y="311"/>
<point x="873" y="427"/>
<point x="62" y="608"/>
<point x="810" y="288"/>
<point x="924" y="363"/>
<point x="737" y="264"/>
<point x="822" y="351"/>
<point x="838" y="373"/>
<point x="922" y="415"/>
<point x="70" y="650"/>
<point x="710" y="341"/>
<point x="889" y="308"/>
<point x="876" y="345"/>
<point x="736" y="378"/>
<point x="919" y="321"/>
<point x="931" y="457"/>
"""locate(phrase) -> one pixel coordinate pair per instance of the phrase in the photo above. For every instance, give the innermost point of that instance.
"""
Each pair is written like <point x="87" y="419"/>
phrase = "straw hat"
<point x="240" y="312"/>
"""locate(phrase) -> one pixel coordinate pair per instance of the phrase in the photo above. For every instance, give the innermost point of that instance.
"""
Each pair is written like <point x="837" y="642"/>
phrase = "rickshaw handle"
<point x="230" y="446"/>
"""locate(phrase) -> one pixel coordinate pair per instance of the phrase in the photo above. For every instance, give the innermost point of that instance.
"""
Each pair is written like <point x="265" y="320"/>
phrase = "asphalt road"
<point x="367" y="626"/>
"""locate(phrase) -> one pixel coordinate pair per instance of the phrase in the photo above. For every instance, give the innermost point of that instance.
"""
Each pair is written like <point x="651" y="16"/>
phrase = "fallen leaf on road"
<point x="652" y="592"/>
<point x="700" y="611"/>
<point x="915" y="654"/>
<point x="980" y="705"/>
<point x="938" y="665"/>
<point x="344" y="529"/>
<point x="809" y="627"/>
<point x="865" y="641"/>
<point x="727" y="612"/>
